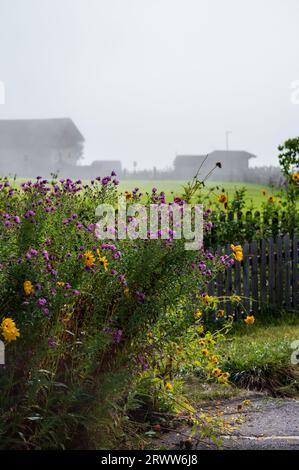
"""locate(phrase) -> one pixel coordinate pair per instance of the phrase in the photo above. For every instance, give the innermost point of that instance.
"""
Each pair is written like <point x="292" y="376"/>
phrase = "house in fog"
<point x="234" y="164"/>
<point x="39" y="146"/>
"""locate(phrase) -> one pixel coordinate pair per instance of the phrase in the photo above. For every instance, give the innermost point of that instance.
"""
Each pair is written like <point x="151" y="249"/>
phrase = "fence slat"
<point x="254" y="274"/>
<point x="279" y="272"/>
<point x="220" y="281"/>
<point x="271" y="271"/>
<point x="228" y="284"/>
<point x="263" y="272"/>
<point x="238" y="286"/>
<point x="287" y="266"/>
<point x="246" y="277"/>
<point x="295" y="279"/>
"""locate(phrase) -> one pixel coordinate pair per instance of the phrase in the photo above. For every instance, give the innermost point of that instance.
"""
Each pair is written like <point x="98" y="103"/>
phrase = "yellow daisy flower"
<point x="9" y="329"/>
<point x="28" y="288"/>
<point x="249" y="320"/>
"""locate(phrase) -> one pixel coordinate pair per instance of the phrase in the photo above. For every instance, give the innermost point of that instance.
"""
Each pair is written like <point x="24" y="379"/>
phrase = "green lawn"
<point x="253" y="191"/>
<point x="254" y="194"/>
<point x="259" y="355"/>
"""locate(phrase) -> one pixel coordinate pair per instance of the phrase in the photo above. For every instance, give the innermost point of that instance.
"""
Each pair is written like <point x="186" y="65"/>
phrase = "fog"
<point x="144" y="80"/>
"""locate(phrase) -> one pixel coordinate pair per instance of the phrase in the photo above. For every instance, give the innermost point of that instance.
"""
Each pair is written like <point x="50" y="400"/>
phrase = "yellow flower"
<point x="216" y="372"/>
<point x="168" y="386"/>
<point x="271" y="199"/>
<point x="295" y="176"/>
<point x="236" y="298"/>
<point x="220" y="313"/>
<point x="264" y="192"/>
<point x="128" y="195"/>
<point x="223" y="378"/>
<point x="246" y="402"/>
<point x="205" y="352"/>
<point x="126" y="292"/>
<point x="196" y="363"/>
<point x="208" y="299"/>
<point x="249" y="320"/>
<point x="104" y="262"/>
<point x="237" y="252"/>
<point x="222" y="198"/>
<point x="211" y="341"/>
<point x="9" y="329"/>
<point x="89" y="258"/>
<point x="28" y="288"/>
<point x="198" y="314"/>
<point x="214" y="359"/>
<point x="202" y="342"/>
<point x="60" y="284"/>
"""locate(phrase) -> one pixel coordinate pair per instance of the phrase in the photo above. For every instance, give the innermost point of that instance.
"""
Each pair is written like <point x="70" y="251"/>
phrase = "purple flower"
<point x="46" y="311"/>
<point x="41" y="301"/>
<point x="52" y="343"/>
<point x="106" y="180"/>
<point x="45" y="255"/>
<point x="140" y="296"/>
<point x="17" y="219"/>
<point x="117" y="336"/>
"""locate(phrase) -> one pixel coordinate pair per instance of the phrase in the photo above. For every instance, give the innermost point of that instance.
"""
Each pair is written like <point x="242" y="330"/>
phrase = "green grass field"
<point x="253" y="191"/>
<point x="254" y="196"/>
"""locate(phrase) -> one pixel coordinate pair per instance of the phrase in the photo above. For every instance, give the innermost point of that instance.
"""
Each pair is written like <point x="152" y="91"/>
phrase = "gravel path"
<point x="268" y="423"/>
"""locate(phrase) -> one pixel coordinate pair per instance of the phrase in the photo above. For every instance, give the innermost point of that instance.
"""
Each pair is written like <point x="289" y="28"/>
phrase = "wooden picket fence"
<point x="267" y="276"/>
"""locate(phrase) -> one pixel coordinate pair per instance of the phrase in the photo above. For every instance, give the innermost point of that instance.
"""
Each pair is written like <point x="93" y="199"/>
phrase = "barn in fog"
<point x="234" y="164"/>
<point x="39" y="146"/>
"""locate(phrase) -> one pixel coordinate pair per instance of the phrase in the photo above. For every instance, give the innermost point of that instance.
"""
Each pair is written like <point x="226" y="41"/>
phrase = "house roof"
<point x="58" y="132"/>
<point x="223" y="154"/>
<point x="218" y="155"/>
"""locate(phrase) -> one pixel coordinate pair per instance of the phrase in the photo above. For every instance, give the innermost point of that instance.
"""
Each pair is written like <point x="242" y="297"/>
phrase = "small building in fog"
<point x="39" y="146"/>
<point x="234" y="164"/>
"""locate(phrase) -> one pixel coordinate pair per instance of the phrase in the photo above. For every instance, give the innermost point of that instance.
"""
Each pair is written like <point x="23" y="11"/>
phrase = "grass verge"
<point x="259" y="356"/>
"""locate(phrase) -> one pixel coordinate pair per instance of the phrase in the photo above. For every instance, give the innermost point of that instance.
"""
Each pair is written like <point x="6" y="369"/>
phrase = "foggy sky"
<point x="146" y="79"/>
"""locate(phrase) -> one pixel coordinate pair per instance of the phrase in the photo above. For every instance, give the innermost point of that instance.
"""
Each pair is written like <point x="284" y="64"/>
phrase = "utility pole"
<point x="226" y="138"/>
